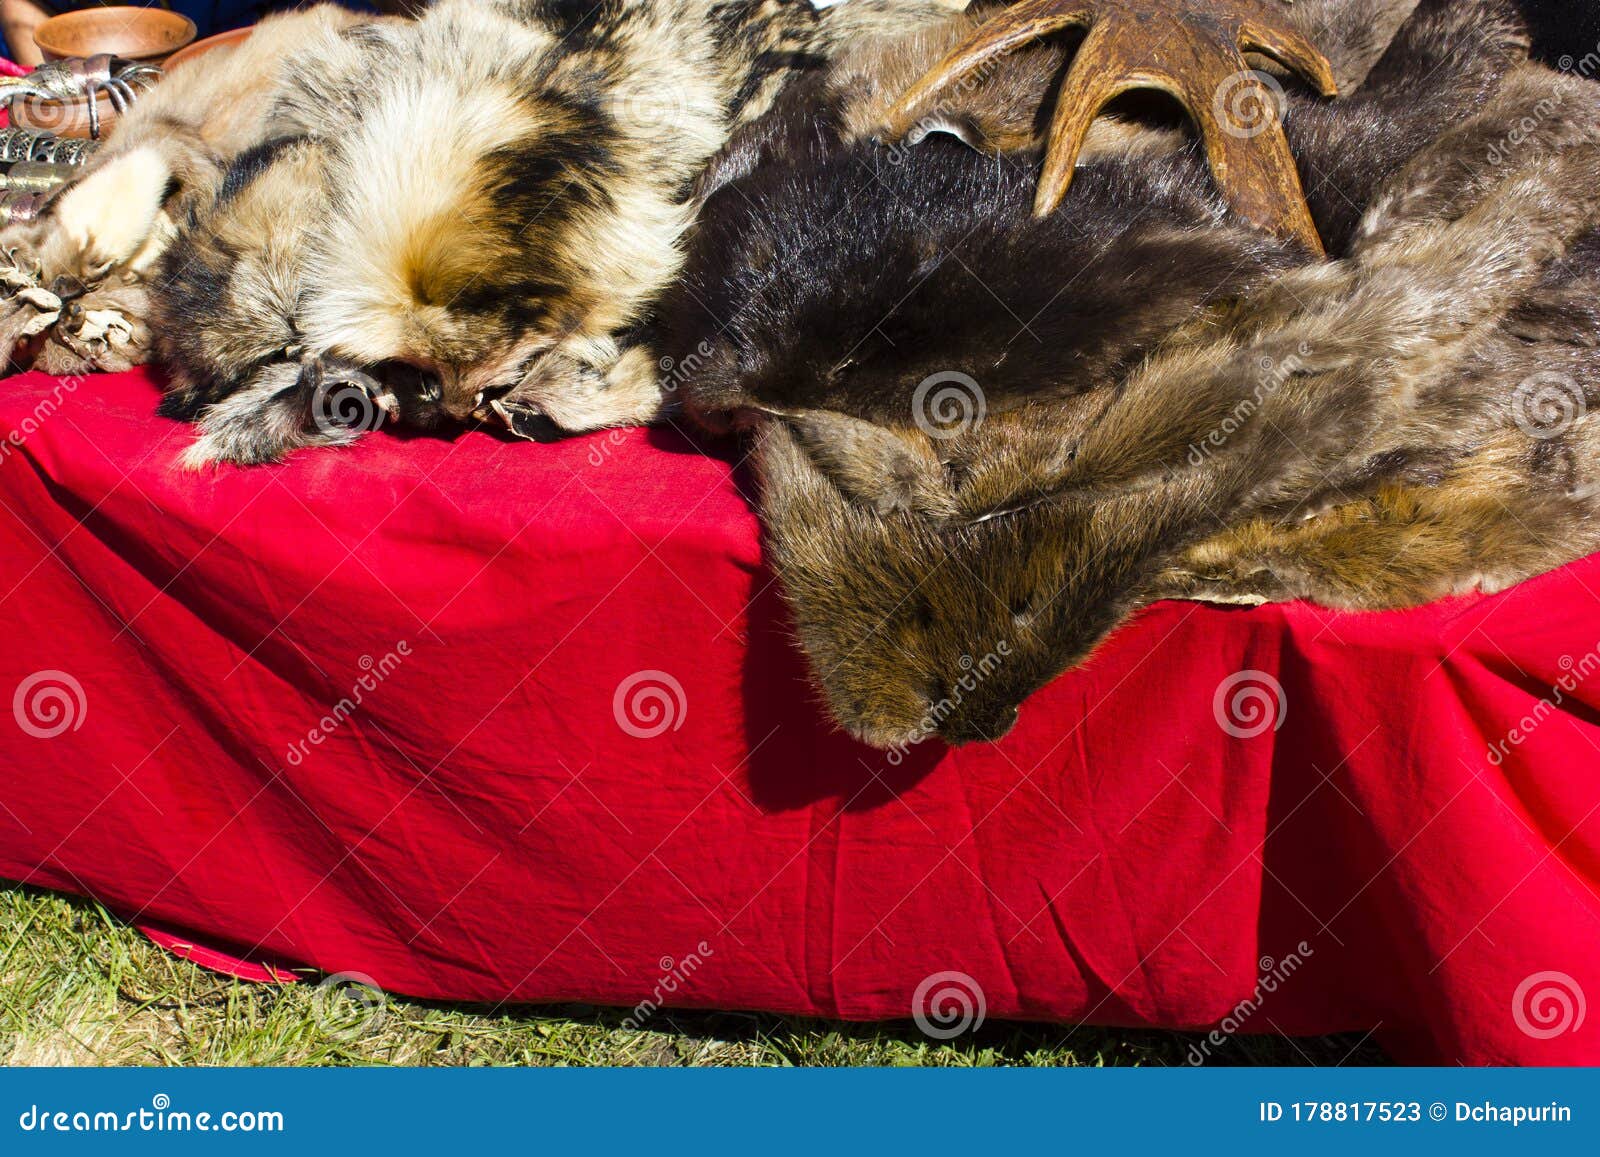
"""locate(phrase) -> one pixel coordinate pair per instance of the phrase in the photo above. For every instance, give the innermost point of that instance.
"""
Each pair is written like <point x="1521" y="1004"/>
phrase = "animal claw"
<point x="524" y="420"/>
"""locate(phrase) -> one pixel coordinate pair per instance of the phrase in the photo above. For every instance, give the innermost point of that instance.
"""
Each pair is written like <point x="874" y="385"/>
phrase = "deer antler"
<point x="1192" y="49"/>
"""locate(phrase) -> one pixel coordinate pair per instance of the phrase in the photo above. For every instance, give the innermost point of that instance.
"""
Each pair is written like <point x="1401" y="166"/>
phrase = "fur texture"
<point x="98" y="243"/>
<point x="502" y="193"/>
<point x="941" y="573"/>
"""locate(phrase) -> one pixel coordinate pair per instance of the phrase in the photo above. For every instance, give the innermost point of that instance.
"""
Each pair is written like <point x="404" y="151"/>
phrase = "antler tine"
<point x="1083" y="94"/>
<point x="1238" y="114"/>
<point x="1003" y="33"/>
<point x="1251" y="162"/>
<point x="1191" y="49"/>
<point x="1291" y="50"/>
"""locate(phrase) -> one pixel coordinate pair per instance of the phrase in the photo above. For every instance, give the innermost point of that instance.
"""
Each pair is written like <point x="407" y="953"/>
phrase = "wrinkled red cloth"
<point x="511" y="722"/>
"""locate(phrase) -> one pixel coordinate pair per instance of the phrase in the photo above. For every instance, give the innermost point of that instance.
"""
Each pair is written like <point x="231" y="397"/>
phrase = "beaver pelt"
<point x="983" y="440"/>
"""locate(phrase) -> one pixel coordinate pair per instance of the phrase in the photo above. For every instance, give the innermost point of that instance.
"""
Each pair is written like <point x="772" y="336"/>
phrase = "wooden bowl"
<point x="146" y="34"/>
<point x="150" y="34"/>
<point x="65" y="118"/>
<point x="201" y="47"/>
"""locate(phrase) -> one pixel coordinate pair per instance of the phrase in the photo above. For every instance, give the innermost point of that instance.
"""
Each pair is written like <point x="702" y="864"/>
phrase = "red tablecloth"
<point x="585" y="763"/>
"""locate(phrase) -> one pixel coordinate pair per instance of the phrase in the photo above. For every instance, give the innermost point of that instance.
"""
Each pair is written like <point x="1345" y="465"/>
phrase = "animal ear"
<point x="285" y="406"/>
<point x="887" y="470"/>
<point x="711" y="379"/>
<point x="745" y="152"/>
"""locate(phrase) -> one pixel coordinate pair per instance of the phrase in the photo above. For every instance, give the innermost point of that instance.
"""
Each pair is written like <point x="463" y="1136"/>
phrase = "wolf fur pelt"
<point x="77" y="278"/>
<point x="501" y="190"/>
<point x="950" y="543"/>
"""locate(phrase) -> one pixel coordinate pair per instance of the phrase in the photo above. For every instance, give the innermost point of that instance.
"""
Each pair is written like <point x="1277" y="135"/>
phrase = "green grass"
<point x="79" y="987"/>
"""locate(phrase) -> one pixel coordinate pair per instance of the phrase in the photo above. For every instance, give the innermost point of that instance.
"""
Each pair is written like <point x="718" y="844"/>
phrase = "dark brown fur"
<point x="1010" y="546"/>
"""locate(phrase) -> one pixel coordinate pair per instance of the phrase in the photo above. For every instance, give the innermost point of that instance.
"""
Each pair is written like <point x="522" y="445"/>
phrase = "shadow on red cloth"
<point x="485" y="720"/>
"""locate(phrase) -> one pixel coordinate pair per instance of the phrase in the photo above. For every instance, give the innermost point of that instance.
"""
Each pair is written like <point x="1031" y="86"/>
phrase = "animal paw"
<point x="341" y="393"/>
<point x="27" y="308"/>
<point x="110" y="217"/>
<point x="525" y="420"/>
<point x="590" y="386"/>
<point x="104" y="331"/>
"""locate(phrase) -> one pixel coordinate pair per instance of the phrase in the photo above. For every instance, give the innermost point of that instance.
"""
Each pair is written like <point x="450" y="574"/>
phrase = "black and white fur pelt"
<point x="501" y="191"/>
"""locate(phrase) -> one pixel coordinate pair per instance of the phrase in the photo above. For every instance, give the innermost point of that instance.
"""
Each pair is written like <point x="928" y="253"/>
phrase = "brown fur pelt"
<point x="77" y="277"/>
<point x="500" y="196"/>
<point x="931" y="504"/>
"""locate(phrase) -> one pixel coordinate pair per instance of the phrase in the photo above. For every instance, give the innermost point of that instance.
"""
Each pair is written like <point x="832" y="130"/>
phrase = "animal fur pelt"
<point x="943" y="562"/>
<point x="76" y="279"/>
<point x="502" y="187"/>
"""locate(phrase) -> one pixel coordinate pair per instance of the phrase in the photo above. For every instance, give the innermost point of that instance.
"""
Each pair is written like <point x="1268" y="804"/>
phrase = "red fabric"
<point x="482" y="827"/>
<point x="9" y="68"/>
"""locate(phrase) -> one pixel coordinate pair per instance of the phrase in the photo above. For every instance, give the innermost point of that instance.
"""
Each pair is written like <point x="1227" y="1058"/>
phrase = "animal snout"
<point x="982" y="725"/>
<point x="418" y="383"/>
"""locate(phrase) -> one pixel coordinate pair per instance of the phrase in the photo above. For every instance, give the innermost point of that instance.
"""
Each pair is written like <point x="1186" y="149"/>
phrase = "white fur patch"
<point x="111" y="213"/>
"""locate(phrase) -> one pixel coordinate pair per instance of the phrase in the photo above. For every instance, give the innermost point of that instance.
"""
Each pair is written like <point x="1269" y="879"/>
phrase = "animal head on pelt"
<point x="502" y="193"/>
<point x="487" y="216"/>
<point x="1011" y="530"/>
<point x="828" y="272"/>
<point x="1027" y="536"/>
<point x="833" y="279"/>
<point x="436" y="215"/>
<point x="1017" y="542"/>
